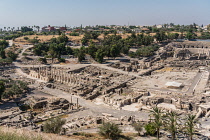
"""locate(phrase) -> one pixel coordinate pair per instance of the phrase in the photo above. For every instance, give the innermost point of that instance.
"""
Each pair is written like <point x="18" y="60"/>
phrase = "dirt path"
<point x="93" y="108"/>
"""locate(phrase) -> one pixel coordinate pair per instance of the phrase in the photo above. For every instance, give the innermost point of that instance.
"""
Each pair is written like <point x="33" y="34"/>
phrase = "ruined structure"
<point x="33" y="110"/>
<point x="88" y="82"/>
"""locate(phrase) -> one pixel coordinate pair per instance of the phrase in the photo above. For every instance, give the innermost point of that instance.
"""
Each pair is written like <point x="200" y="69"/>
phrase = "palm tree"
<point x="190" y="125"/>
<point x="38" y="28"/>
<point x="171" y="123"/>
<point x="157" y="115"/>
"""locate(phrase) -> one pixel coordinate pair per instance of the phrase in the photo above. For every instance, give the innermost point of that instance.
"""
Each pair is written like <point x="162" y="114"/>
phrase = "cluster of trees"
<point x="88" y="36"/>
<point x="138" y="40"/>
<point x="26" y="29"/>
<point x="13" y="35"/>
<point x="6" y="58"/>
<point x="169" y="121"/>
<point x="162" y="36"/>
<point x="53" y="49"/>
<point x="111" y="46"/>
<point x="74" y="34"/>
<point x="3" y="45"/>
<point x="172" y="27"/>
<point x="114" y="45"/>
<point x="204" y="35"/>
<point x="10" y="88"/>
<point x="191" y="35"/>
<point x="22" y="28"/>
<point x="146" y="51"/>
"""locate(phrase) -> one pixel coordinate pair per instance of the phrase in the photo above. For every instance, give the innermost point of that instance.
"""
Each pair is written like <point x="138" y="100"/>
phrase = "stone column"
<point x="77" y="103"/>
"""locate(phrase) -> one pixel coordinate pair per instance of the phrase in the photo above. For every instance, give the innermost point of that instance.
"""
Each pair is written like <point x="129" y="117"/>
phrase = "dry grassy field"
<point x="24" y="134"/>
<point x="44" y="38"/>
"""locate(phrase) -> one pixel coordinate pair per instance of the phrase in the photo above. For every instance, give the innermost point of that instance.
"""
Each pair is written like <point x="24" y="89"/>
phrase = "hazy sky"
<point x="103" y="12"/>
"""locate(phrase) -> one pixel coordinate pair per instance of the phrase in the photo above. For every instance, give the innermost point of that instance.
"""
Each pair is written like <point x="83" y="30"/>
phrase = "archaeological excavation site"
<point x="123" y="91"/>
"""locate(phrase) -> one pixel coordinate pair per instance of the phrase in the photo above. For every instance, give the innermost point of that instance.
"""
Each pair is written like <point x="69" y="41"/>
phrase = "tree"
<point x="4" y="43"/>
<point x="88" y="36"/>
<point x="91" y="50"/>
<point x="110" y="130"/>
<point x="190" y="35"/>
<point x="22" y="85"/>
<point x="114" y="51"/>
<point x="138" y="127"/>
<point x="2" y="53"/>
<point x="62" y="38"/>
<point x="69" y="51"/>
<point x="147" y="51"/>
<point x="160" y="36"/>
<point x="80" y="53"/>
<point x="41" y="49"/>
<point x="2" y="88"/>
<point x="43" y="60"/>
<point x="208" y="27"/>
<point x="190" y="125"/>
<point x="99" y="55"/>
<point x="53" y="53"/>
<point x="12" y="55"/>
<point x="171" y="123"/>
<point x="26" y="29"/>
<point x="16" y="90"/>
<point x="157" y="119"/>
<point x="38" y="28"/>
<point x="54" y="125"/>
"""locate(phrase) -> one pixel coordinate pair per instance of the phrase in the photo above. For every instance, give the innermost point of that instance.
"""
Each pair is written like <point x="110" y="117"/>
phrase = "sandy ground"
<point x="132" y="107"/>
<point x="160" y="79"/>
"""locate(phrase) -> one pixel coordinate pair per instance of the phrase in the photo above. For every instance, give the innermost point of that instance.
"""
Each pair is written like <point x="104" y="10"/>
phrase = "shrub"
<point x="33" y="41"/>
<point x="24" y="107"/>
<point x="43" y="60"/>
<point x="62" y="60"/>
<point x="110" y="130"/>
<point x="26" y="38"/>
<point x="54" y="125"/>
<point x="150" y="129"/>
<point x="24" y="54"/>
<point x="16" y="136"/>
<point x="74" y="34"/>
<point x="138" y="127"/>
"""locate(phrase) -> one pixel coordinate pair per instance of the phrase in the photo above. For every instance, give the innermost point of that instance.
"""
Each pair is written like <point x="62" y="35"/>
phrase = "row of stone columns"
<point x="64" y="77"/>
